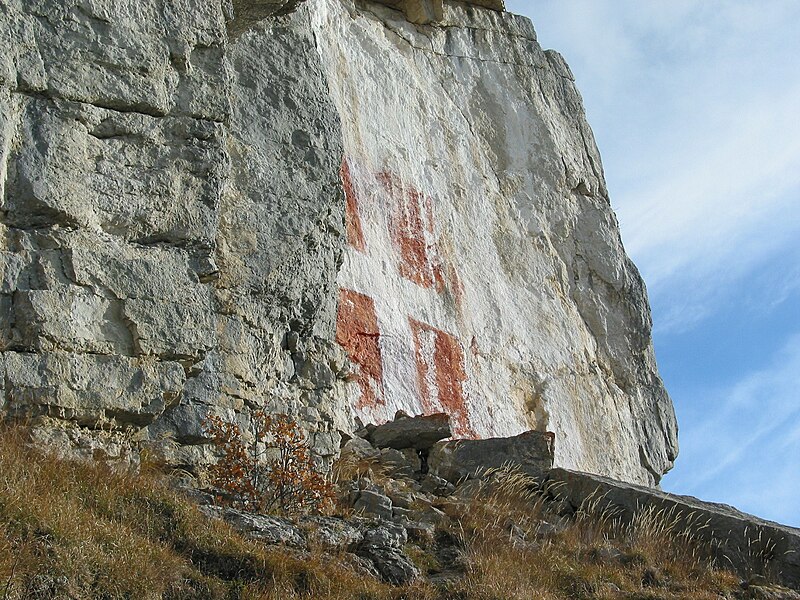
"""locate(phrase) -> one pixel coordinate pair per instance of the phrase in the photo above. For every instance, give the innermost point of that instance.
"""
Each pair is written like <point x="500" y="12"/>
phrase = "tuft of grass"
<point x="593" y="555"/>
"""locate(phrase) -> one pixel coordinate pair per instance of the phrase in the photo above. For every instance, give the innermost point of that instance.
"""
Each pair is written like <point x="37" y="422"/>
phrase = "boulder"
<point x="373" y="503"/>
<point x="741" y="541"/>
<point x="433" y="484"/>
<point x="420" y="433"/>
<point x="531" y="452"/>
<point x="399" y="463"/>
<point x="383" y="545"/>
<point x="332" y="533"/>
<point x="394" y="566"/>
<point x="359" y="448"/>
<point x="266" y="528"/>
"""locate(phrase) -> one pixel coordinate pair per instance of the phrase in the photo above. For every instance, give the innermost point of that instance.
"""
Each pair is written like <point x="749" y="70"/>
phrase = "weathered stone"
<point x="373" y="503"/>
<point x="359" y="448"/>
<point x="400" y="498"/>
<point x="741" y="541"/>
<point x="430" y="514"/>
<point x="382" y="545"/>
<point x="146" y="56"/>
<point x="424" y="12"/>
<point x="247" y="13"/>
<point x="433" y="484"/>
<point x="400" y="514"/>
<point x="394" y="566"/>
<point x="362" y="566"/>
<point x="420" y="314"/>
<point x="531" y="452"/>
<point x="420" y="532"/>
<point x="384" y="534"/>
<point x="770" y="592"/>
<point x="331" y="532"/>
<point x="67" y="440"/>
<point x="265" y="528"/>
<point x="419" y="433"/>
<point x="65" y="385"/>
<point x="399" y="463"/>
<point x="137" y="285"/>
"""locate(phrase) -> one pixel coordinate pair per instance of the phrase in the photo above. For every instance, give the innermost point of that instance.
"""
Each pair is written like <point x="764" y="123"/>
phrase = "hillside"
<point x="70" y="530"/>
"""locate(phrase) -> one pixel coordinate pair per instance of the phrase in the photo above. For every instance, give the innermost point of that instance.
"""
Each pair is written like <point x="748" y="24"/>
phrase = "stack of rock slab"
<point x="456" y="460"/>
<point x="318" y="208"/>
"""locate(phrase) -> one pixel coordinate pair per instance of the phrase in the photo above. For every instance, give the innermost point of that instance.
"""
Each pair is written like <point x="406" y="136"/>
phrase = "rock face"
<point x="316" y="207"/>
<point x="484" y="275"/>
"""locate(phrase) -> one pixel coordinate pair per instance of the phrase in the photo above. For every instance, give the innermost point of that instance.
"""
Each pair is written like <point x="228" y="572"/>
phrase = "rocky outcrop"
<point x="172" y="221"/>
<point x="484" y="275"/>
<point x="319" y="208"/>
<point x="741" y="542"/>
<point x="394" y="515"/>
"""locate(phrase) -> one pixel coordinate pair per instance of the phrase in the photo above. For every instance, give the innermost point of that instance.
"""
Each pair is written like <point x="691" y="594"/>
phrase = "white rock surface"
<point x="482" y="237"/>
<point x="175" y="240"/>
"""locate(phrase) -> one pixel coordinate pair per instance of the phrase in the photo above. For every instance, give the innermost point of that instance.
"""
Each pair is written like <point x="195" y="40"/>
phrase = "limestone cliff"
<point x="335" y="209"/>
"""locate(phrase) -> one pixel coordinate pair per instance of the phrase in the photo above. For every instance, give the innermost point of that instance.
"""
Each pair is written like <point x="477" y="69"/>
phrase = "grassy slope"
<point x="79" y="531"/>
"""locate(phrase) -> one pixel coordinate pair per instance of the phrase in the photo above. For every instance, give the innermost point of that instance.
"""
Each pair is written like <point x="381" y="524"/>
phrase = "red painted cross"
<point x="396" y="278"/>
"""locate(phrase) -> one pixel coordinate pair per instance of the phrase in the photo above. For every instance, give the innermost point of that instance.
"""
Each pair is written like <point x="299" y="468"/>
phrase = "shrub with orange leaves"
<point x="273" y="471"/>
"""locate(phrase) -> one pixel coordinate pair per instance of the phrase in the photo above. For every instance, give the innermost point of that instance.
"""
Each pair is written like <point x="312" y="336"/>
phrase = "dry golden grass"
<point x="594" y="556"/>
<point x="81" y="531"/>
<point x="70" y="530"/>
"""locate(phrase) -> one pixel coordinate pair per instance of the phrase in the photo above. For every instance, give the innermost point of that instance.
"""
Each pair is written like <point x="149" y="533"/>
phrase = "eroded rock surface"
<point x="457" y="460"/>
<point x="318" y="207"/>
<point x="420" y="432"/>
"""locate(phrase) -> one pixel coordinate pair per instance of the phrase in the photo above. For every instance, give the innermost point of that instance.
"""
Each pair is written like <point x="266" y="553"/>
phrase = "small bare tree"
<point x="272" y="472"/>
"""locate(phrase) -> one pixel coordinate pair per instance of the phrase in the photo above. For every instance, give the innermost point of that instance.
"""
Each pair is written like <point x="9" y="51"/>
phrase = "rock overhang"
<point x="246" y="13"/>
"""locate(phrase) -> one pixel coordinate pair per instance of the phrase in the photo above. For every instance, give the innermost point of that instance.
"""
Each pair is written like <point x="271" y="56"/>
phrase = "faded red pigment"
<point x="449" y="374"/>
<point x="411" y="219"/>
<point x="355" y="233"/>
<point x="357" y="332"/>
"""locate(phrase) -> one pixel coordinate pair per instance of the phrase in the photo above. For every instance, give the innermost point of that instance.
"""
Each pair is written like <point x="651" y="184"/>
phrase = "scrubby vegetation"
<point x="273" y="471"/>
<point x="70" y="530"/>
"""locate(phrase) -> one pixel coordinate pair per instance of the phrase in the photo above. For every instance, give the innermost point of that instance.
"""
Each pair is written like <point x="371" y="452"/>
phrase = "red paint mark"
<point x="355" y="233"/>
<point x="413" y="235"/>
<point x="441" y="375"/>
<point x="357" y="332"/>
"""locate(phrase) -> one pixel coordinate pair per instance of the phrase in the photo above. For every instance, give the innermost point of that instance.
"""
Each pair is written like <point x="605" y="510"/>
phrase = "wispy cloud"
<point x="695" y="106"/>
<point x="748" y="447"/>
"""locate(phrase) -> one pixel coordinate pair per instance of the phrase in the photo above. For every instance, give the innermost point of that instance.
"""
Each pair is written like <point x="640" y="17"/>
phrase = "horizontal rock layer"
<point x="315" y="207"/>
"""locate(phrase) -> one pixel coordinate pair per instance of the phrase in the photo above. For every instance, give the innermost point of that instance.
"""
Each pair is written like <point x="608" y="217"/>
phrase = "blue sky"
<point x="696" y="110"/>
